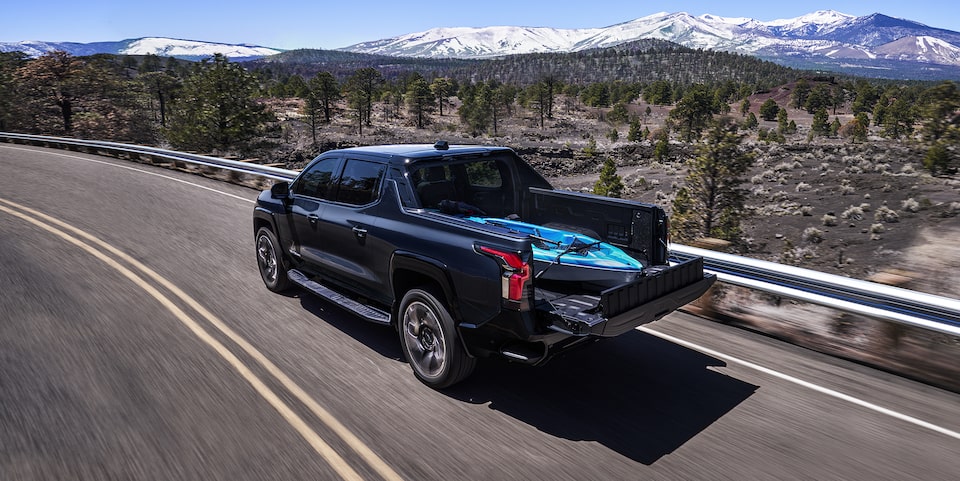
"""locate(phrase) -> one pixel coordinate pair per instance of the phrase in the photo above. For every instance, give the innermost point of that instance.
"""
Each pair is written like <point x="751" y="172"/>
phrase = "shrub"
<point x="803" y="187"/>
<point x="910" y="205"/>
<point x="886" y="214"/>
<point x="829" y="220"/>
<point x="847" y="190"/>
<point x="852" y="213"/>
<point x="813" y="235"/>
<point x="876" y="228"/>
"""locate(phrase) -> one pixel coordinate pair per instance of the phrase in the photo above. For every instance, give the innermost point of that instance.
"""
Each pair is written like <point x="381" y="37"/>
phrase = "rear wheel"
<point x="270" y="261"/>
<point x="430" y="341"/>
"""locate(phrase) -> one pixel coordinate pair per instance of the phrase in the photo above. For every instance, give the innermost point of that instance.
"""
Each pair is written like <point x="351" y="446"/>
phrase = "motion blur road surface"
<point x="138" y="342"/>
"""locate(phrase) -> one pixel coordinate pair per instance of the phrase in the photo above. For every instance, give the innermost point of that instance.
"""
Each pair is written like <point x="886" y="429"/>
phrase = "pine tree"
<point x="53" y="79"/>
<point x="477" y="107"/>
<point x="635" y="134"/>
<point x="217" y="108"/>
<point x="834" y="127"/>
<point x="10" y="95"/>
<point x="769" y="110"/>
<point x="694" y="111"/>
<point x="782" y="126"/>
<point x="362" y="88"/>
<point x="662" y="149"/>
<point x="419" y="100"/>
<point x="442" y="89"/>
<point x="937" y="160"/>
<point x="163" y="87"/>
<point x="711" y="201"/>
<point x="610" y="183"/>
<point x="325" y="89"/>
<point x="820" y="125"/>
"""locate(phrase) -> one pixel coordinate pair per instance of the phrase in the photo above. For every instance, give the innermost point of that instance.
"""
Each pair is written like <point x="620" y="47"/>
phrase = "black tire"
<point x="273" y="266"/>
<point x="430" y="342"/>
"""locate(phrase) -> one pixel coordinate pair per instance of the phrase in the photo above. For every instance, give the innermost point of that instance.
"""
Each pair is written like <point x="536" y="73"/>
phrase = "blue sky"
<point x="324" y="24"/>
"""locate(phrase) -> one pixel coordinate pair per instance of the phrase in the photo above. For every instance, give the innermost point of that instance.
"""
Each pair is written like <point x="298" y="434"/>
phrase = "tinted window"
<point x="319" y="179"/>
<point x="360" y="182"/>
<point x="484" y="174"/>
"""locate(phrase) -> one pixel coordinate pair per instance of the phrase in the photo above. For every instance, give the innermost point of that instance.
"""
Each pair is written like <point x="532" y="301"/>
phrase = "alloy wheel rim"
<point x="266" y="258"/>
<point x="424" y="339"/>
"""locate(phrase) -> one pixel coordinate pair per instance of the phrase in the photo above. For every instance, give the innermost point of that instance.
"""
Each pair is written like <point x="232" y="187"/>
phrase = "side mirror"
<point x="280" y="190"/>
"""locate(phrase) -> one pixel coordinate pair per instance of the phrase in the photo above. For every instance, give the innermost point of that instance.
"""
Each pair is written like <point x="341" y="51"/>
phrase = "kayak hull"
<point x="561" y="255"/>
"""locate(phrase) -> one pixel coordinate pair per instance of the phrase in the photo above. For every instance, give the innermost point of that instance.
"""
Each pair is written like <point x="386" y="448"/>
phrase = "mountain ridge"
<point x="824" y="35"/>
<point x="874" y="45"/>
<point x="162" y="46"/>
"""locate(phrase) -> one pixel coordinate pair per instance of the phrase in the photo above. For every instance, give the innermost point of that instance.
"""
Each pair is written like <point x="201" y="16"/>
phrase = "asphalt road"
<point x="137" y="342"/>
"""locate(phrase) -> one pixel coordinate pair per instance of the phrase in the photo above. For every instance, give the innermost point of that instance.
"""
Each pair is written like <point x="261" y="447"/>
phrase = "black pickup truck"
<point x="391" y="234"/>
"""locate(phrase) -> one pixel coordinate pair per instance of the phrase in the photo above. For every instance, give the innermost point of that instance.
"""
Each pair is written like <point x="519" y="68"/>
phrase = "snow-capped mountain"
<point x="821" y="35"/>
<point x="167" y="47"/>
<point x="468" y="42"/>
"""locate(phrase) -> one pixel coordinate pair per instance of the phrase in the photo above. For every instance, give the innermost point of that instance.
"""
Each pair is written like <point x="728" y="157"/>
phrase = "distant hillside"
<point x="638" y="61"/>
<point x="307" y="62"/>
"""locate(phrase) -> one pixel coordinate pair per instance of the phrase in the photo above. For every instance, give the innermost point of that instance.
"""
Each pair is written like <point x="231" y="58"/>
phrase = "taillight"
<point x="514" y="271"/>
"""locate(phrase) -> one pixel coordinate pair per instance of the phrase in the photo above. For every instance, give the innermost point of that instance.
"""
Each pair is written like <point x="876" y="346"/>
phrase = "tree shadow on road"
<point x="638" y="395"/>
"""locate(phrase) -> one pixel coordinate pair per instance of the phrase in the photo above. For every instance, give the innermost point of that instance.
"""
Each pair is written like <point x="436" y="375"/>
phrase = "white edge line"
<point x="806" y="384"/>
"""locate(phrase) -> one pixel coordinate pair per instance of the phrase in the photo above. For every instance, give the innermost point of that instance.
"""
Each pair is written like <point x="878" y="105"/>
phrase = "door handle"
<point x="360" y="232"/>
<point x="313" y="218"/>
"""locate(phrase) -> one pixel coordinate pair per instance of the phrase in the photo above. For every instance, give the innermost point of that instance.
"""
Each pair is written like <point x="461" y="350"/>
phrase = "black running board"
<point x="368" y="313"/>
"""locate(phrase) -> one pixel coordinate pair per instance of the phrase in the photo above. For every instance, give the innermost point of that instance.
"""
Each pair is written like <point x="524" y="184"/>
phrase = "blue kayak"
<point x="569" y="256"/>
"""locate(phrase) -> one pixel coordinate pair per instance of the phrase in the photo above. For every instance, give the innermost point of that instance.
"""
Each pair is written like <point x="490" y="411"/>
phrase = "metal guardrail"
<point x="172" y="156"/>
<point x="880" y="301"/>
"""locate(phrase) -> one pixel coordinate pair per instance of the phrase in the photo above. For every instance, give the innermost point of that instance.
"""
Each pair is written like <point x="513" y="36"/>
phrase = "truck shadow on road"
<point x="637" y="394"/>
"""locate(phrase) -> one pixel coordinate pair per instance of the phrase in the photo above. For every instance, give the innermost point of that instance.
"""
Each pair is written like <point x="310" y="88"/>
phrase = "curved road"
<point x="137" y="342"/>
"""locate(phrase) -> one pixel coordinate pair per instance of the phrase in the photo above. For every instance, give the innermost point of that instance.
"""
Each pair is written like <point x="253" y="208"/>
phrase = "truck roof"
<point x="426" y="151"/>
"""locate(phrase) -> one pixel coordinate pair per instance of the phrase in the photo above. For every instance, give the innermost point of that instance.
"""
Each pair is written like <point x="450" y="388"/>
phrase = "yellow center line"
<point x="314" y="439"/>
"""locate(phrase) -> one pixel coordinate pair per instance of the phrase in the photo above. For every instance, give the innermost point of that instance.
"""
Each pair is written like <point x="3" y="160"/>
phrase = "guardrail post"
<point x="706" y="304"/>
<point x="892" y="332"/>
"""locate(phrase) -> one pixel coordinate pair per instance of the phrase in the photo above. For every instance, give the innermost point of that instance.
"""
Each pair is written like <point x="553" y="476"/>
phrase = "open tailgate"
<point x="620" y="309"/>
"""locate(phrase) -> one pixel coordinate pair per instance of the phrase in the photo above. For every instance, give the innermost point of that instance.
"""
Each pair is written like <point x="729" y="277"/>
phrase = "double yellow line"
<point x="100" y="249"/>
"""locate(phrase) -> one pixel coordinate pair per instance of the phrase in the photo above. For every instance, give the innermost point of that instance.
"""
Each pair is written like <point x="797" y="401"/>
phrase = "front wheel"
<point x="430" y="342"/>
<point x="270" y="261"/>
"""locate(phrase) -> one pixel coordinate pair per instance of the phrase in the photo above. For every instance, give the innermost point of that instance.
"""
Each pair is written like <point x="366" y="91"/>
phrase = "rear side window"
<point x="360" y="182"/>
<point x="319" y="179"/>
<point x="484" y="174"/>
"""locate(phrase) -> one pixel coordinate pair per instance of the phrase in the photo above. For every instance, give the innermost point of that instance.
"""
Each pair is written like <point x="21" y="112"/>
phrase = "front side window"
<point x="319" y="179"/>
<point x="360" y="182"/>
